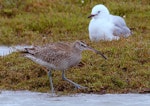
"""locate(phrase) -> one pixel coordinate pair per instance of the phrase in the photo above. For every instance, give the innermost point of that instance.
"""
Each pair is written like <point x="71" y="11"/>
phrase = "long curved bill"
<point x="97" y="52"/>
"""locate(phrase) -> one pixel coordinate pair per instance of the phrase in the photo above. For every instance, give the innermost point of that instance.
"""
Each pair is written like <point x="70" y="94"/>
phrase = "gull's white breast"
<point x="101" y="29"/>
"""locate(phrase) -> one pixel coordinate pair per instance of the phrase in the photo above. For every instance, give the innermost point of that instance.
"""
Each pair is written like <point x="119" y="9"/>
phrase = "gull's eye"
<point x="98" y="11"/>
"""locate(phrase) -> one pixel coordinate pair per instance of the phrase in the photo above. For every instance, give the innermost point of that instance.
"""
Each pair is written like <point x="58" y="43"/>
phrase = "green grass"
<point x="42" y="21"/>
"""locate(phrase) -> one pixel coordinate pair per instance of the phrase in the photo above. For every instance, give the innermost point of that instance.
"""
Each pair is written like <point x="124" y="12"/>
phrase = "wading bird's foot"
<point x="53" y="95"/>
<point x="77" y="86"/>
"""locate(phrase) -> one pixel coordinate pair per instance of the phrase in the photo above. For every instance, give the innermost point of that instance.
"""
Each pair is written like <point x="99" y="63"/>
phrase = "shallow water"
<point x="27" y="98"/>
<point x="5" y="50"/>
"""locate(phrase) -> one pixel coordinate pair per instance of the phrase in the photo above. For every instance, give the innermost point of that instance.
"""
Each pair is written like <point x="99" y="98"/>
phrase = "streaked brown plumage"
<point x="59" y="56"/>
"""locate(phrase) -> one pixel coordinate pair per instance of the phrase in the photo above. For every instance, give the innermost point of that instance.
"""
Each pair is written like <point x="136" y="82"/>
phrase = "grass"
<point x="39" y="22"/>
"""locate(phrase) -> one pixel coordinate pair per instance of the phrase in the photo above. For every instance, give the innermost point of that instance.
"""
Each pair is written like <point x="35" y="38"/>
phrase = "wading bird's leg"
<point x="75" y="84"/>
<point x="51" y="82"/>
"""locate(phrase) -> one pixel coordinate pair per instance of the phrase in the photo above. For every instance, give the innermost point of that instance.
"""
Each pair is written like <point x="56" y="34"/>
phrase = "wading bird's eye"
<point x="83" y="45"/>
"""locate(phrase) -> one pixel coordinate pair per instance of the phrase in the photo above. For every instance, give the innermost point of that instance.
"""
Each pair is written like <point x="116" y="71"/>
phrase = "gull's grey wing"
<point x="121" y="28"/>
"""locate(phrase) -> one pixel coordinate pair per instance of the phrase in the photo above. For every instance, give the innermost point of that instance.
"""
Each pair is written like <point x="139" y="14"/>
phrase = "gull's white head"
<point x="98" y="11"/>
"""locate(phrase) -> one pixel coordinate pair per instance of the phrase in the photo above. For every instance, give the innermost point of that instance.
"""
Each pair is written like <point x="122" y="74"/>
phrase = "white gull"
<point x="105" y="26"/>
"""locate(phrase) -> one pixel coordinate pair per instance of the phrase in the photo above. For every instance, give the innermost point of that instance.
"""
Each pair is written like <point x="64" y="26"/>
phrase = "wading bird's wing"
<point x="49" y="53"/>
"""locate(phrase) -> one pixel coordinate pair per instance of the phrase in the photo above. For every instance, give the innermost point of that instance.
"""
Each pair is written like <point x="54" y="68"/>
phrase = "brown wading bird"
<point x="59" y="56"/>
